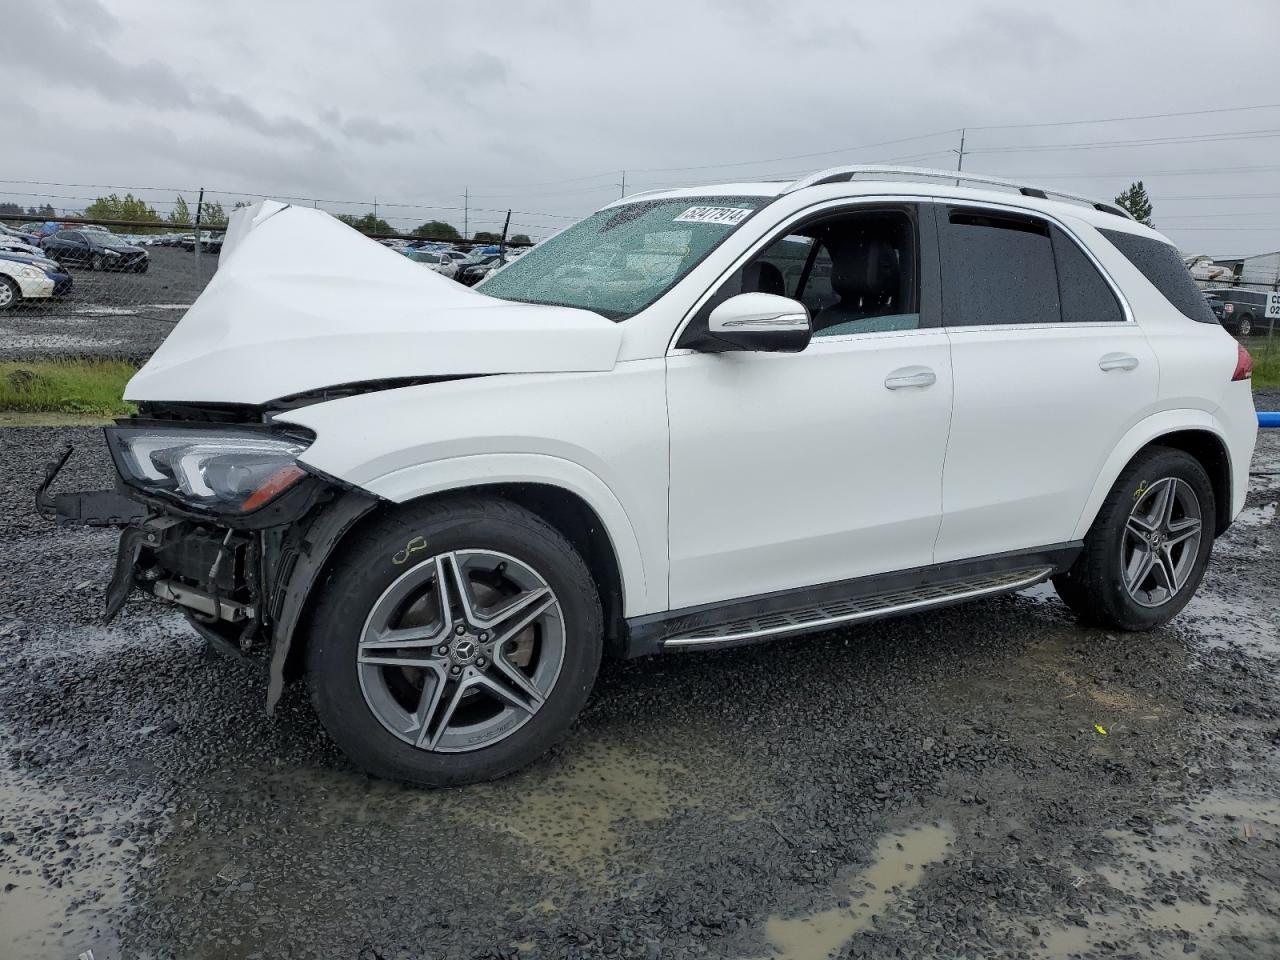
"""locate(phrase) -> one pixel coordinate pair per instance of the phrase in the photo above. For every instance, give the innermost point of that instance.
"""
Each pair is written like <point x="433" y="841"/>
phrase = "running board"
<point x="824" y="615"/>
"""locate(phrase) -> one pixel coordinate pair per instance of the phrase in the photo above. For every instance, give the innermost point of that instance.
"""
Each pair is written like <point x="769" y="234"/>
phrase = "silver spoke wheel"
<point x="1161" y="541"/>
<point x="461" y="650"/>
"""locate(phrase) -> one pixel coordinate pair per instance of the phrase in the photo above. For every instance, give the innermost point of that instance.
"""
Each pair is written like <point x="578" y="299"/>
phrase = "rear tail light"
<point x="1244" y="364"/>
<point x="1228" y="308"/>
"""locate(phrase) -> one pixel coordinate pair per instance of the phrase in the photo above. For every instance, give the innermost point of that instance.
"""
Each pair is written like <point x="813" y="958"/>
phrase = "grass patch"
<point x="75" y="386"/>
<point x="1266" y="364"/>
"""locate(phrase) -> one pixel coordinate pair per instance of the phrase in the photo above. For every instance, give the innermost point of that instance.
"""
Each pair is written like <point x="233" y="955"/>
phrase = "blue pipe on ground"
<point x="1268" y="418"/>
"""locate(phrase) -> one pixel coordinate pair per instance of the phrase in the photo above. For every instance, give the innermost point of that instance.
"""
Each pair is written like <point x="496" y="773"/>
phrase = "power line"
<point x="1146" y="116"/>
<point x="1140" y="173"/>
<point x="1140" y="142"/>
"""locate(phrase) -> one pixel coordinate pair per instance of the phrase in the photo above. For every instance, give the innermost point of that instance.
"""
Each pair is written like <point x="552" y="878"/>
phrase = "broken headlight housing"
<point x="219" y="471"/>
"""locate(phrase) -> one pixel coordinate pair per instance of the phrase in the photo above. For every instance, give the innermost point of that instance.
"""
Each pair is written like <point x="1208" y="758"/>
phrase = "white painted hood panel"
<point x="301" y="301"/>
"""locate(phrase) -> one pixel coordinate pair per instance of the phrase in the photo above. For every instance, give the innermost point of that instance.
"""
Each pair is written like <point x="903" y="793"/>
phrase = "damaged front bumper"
<point x="242" y="582"/>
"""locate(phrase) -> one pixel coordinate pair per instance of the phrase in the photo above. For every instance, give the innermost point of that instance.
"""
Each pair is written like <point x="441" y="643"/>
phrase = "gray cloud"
<point x="541" y="105"/>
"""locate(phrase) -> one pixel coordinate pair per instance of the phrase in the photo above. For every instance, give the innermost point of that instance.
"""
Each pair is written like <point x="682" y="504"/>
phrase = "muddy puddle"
<point x="1167" y="892"/>
<point x="580" y="814"/>
<point x="897" y="865"/>
<point x="49" y="911"/>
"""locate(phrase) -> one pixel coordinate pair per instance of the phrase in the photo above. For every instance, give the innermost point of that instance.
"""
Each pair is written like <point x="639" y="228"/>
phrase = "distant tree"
<point x="366" y="224"/>
<point x="212" y="215"/>
<point x="128" y="207"/>
<point x="180" y="213"/>
<point x="1136" y="201"/>
<point x="437" y="230"/>
<point x="486" y="236"/>
<point x="45" y="212"/>
<point x="521" y="238"/>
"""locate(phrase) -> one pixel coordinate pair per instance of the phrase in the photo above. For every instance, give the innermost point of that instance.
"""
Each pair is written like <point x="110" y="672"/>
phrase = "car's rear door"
<point x="1049" y="373"/>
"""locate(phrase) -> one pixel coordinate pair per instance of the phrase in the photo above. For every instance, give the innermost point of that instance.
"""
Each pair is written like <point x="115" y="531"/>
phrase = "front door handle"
<point x="910" y="377"/>
<point x="1118" y="361"/>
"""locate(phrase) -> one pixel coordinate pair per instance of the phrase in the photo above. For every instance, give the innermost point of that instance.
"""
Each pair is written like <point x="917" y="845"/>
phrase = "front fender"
<point x="456" y="473"/>
<point x="1140" y="434"/>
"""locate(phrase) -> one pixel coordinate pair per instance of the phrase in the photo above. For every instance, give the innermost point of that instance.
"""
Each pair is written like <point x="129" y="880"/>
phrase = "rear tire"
<point x="1245" y="327"/>
<point x="462" y="716"/>
<point x="1107" y="584"/>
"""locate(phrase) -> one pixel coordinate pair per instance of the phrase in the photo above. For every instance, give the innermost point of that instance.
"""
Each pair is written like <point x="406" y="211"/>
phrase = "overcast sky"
<point x="541" y="105"/>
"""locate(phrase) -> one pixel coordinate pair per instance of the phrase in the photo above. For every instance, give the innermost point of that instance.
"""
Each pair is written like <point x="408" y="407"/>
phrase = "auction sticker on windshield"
<point x="729" y="216"/>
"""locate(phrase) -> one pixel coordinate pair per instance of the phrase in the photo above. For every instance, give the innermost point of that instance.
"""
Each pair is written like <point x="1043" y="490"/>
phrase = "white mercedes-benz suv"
<point x="698" y="418"/>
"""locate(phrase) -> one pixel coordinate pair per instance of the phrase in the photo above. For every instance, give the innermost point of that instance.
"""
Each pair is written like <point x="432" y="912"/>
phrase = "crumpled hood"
<point x="301" y="301"/>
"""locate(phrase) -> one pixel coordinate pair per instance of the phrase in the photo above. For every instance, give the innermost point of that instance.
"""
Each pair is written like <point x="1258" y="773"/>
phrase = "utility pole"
<point x="466" y="202"/>
<point x="375" y="214"/>
<point x="623" y="185"/>
<point x="960" y="156"/>
<point x="502" y="244"/>
<point x="199" y="208"/>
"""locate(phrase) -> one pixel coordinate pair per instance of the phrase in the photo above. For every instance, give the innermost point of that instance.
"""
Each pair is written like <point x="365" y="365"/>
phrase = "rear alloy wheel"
<point x="1246" y="325"/>
<point x="1148" y="547"/>
<point x="454" y="642"/>
<point x="9" y="293"/>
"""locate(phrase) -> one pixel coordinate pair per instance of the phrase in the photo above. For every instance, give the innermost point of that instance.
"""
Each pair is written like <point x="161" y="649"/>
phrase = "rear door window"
<point x="997" y="268"/>
<point x="1086" y="296"/>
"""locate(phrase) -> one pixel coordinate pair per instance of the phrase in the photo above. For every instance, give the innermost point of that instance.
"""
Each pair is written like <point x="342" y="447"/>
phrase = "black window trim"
<point x="943" y="207"/>
<point x="930" y="291"/>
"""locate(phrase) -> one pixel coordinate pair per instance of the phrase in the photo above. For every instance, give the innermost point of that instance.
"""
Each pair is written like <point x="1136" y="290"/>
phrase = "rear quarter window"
<point x="1162" y="265"/>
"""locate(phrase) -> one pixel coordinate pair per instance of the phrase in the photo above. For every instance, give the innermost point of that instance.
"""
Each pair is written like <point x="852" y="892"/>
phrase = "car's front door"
<point x="1049" y="372"/>
<point x="792" y="470"/>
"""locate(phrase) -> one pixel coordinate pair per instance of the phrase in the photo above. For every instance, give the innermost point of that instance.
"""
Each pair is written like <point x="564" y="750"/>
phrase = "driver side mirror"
<point x="762" y="321"/>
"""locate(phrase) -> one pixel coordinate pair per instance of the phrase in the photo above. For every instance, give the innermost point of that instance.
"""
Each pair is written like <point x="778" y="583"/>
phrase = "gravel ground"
<point x="108" y="314"/>
<point x="935" y="786"/>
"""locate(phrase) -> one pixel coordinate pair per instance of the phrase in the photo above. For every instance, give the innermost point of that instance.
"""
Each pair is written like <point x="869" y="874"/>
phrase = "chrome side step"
<point x="822" y="616"/>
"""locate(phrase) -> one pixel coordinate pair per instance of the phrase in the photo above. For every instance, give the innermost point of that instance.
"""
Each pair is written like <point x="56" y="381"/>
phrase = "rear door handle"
<point x="1118" y="361"/>
<point x="910" y="377"/>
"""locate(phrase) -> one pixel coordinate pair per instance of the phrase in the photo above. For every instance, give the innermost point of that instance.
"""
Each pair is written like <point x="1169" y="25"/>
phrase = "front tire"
<point x="1147" y="550"/>
<point x="454" y="642"/>
<point x="10" y="295"/>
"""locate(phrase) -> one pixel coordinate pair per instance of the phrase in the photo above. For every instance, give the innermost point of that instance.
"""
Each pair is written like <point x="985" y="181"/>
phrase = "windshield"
<point x="111" y="240"/>
<point x="619" y="260"/>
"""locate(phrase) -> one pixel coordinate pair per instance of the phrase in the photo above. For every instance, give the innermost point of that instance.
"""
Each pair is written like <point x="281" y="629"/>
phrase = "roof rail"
<point x="847" y="173"/>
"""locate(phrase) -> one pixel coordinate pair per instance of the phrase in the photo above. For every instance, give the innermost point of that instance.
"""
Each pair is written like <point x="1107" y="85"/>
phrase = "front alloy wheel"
<point x="453" y="641"/>
<point x="461" y="651"/>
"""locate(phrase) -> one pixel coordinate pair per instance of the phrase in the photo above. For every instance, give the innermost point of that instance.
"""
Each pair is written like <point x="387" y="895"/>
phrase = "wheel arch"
<point x="564" y="509"/>
<point x="1194" y="432"/>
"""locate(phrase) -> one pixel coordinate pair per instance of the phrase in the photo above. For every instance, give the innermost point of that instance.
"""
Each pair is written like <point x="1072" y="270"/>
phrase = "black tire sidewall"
<point x="15" y="291"/>
<point x="1104" y="540"/>
<point x="364" y="573"/>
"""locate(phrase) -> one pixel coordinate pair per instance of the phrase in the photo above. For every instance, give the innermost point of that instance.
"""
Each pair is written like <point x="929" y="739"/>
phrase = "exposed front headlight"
<point x="111" y="253"/>
<point x="231" y="471"/>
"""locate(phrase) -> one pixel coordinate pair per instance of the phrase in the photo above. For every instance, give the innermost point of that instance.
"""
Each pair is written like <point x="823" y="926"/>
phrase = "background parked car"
<point x="22" y="246"/>
<point x="30" y="278"/>
<point x="432" y="260"/>
<point x="471" y="274"/>
<point x="95" y="250"/>
<point x="1215" y="305"/>
<point x="1243" y="311"/>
